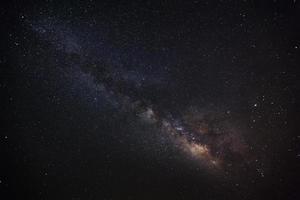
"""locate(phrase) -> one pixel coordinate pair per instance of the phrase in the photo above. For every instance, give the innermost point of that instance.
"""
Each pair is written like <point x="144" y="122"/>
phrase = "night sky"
<point x="150" y="99"/>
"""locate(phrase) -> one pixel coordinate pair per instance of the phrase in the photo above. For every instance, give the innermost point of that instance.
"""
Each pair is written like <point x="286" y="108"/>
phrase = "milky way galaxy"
<point x="205" y="136"/>
<point x="146" y="100"/>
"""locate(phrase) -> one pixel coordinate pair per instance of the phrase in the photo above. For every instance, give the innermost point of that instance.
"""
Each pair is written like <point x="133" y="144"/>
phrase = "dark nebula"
<point x="150" y="100"/>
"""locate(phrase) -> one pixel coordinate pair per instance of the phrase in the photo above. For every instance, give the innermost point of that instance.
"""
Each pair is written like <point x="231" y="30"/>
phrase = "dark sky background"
<point x="150" y="99"/>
